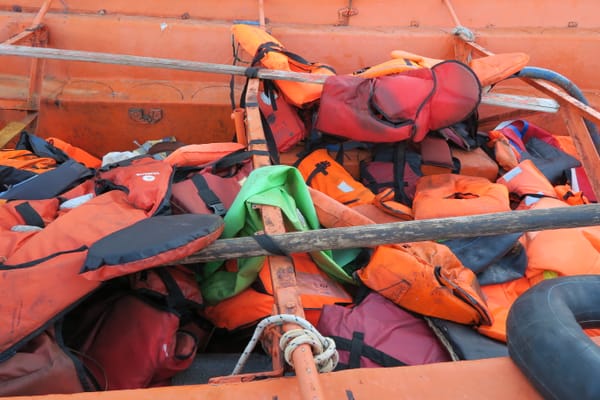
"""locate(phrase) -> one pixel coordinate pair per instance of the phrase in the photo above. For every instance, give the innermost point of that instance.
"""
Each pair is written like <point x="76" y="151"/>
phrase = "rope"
<point x="465" y="33"/>
<point x="325" y="355"/>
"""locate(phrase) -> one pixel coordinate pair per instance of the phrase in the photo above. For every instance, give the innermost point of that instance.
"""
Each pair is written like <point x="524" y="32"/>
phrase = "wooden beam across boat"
<point x="406" y="231"/>
<point x="503" y="100"/>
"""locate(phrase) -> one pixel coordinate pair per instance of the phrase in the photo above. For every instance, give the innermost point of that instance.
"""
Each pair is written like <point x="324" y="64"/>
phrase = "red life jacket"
<point x="156" y="346"/>
<point x="283" y="122"/>
<point x="397" y="107"/>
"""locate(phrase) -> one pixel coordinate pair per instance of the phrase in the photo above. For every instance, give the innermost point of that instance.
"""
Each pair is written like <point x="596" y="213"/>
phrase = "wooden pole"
<point x="153" y="62"/>
<point x="504" y="100"/>
<point x="408" y="231"/>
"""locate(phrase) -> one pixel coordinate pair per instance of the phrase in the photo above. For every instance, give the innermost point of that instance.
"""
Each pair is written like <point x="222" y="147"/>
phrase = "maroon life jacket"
<point x="212" y="188"/>
<point x="393" y="167"/>
<point x="400" y="106"/>
<point x="44" y="366"/>
<point x="378" y="333"/>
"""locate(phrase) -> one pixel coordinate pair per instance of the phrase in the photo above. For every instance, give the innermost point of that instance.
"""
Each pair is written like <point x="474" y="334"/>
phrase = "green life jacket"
<point x="283" y="187"/>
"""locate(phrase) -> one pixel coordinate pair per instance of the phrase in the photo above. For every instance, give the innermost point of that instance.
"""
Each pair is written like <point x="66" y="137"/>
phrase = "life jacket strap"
<point x="209" y="197"/>
<point x="29" y="215"/>
<point x="320" y="167"/>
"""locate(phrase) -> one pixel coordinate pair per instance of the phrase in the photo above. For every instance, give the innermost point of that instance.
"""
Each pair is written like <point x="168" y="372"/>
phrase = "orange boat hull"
<point x="94" y="105"/>
<point x="104" y="108"/>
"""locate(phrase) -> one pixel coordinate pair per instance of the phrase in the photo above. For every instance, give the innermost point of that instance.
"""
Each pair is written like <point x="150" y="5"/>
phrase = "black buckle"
<point x="218" y="208"/>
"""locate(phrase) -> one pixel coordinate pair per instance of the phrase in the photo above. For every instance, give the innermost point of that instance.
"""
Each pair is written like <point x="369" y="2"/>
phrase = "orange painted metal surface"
<point x="490" y="379"/>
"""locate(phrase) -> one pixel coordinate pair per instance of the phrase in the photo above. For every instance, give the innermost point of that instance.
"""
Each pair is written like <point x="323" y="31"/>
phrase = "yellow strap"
<point x="11" y="130"/>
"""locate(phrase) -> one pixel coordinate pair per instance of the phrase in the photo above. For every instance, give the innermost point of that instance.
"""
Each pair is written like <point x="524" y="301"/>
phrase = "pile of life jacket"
<point x="97" y="298"/>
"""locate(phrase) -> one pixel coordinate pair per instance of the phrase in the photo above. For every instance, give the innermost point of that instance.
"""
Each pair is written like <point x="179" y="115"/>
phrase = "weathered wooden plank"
<point x="521" y="102"/>
<point x="565" y="100"/>
<point x="584" y="145"/>
<point x="14" y="128"/>
<point x="409" y="231"/>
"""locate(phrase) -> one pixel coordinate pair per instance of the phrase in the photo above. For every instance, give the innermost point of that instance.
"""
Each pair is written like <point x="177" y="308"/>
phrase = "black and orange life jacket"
<point x="270" y="53"/>
<point x="116" y="232"/>
<point x="36" y="169"/>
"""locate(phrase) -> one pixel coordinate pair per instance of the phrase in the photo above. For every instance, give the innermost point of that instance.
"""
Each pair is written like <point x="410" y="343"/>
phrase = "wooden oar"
<point x="410" y="231"/>
<point x="503" y="100"/>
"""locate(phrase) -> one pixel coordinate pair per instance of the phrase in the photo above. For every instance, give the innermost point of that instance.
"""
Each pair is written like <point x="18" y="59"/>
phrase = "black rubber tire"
<point x="546" y="340"/>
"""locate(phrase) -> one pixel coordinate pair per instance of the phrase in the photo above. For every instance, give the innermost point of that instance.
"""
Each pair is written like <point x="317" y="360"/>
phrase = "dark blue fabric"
<point x="49" y="184"/>
<point x="149" y="238"/>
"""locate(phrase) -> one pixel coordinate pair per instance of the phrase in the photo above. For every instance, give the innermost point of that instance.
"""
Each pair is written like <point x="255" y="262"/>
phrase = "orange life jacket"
<point x="561" y="252"/>
<point x="504" y="153"/>
<point x="551" y="253"/>
<point x="489" y="69"/>
<point x="76" y="153"/>
<point x="499" y="298"/>
<point x="393" y="66"/>
<point x="333" y="214"/>
<point x="566" y="194"/>
<point x="323" y="173"/>
<point x="271" y="53"/>
<point x="385" y="201"/>
<point x="25" y="160"/>
<point x="427" y="278"/>
<point x="476" y="162"/>
<point x="197" y="155"/>
<point x="451" y="195"/>
<point x="527" y="184"/>
<point x="314" y="286"/>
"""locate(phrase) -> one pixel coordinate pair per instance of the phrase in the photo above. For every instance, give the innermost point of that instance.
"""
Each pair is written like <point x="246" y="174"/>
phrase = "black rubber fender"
<point x="546" y="340"/>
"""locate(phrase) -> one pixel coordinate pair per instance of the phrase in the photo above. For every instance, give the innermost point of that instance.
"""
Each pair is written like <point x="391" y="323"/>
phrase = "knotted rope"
<point x="325" y="354"/>
<point x="465" y="33"/>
